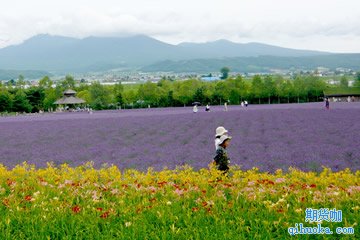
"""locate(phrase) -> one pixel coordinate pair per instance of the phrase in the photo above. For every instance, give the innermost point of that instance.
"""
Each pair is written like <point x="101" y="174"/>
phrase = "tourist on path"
<point x="195" y="109"/>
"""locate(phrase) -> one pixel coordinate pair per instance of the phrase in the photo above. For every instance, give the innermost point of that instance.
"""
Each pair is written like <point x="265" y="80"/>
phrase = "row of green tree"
<point x="15" y="97"/>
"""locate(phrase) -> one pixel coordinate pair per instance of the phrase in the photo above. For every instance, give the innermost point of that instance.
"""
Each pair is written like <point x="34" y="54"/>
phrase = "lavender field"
<point x="269" y="137"/>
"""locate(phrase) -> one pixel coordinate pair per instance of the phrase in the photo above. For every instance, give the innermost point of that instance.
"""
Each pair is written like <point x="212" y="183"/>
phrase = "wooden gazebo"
<point x="69" y="98"/>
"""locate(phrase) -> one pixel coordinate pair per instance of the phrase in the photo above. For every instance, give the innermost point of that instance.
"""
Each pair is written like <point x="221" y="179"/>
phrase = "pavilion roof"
<point x="69" y="91"/>
<point x="69" y="100"/>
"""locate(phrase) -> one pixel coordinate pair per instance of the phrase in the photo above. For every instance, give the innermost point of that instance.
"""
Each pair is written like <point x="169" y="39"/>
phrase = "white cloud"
<point x="322" y="25"/>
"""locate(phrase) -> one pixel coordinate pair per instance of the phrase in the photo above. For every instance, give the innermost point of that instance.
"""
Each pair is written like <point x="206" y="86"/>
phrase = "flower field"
<point x="143" y="174"/>
<point x="268" y="137"/>
<point x="87" y="203"/>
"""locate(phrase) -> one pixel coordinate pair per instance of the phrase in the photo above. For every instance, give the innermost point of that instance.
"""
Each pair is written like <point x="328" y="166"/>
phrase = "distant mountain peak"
<point x="219" y="41"/>
<point x="45" y="36"/>
<point x="222" y="41"/>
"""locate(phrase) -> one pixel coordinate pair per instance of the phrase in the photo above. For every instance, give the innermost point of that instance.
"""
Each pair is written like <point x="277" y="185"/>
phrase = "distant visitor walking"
<point x="221" y="158"/>
<point x="225" y="107"/>
<point x="327" y="103"/>
<point x="246" y="103"/>
<point x="195" y="109"/>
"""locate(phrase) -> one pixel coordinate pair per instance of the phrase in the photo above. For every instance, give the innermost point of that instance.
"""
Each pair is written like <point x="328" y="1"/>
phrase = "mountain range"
<point x="260" y="64"/>
<point x="59" y="55"/>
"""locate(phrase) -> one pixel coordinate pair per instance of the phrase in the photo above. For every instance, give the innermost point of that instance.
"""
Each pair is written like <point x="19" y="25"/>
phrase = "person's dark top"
<point x="221" y="159"/>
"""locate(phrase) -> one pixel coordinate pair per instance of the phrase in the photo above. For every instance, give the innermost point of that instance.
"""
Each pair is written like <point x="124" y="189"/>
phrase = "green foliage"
<point x="224" y="72"/>
<point x="344" y="81"/>
<point x="357" y="80"/>
<point x="21" y="103"/>
<point x="300" y="88"/>
<point x="129" y="96"/>
<point x="185" y="91"/>
<point x="36" y="98"/>
<point x="5" y="101"/>
<point x="21" y="81"/>
<point x="358" y="76"/>
<point x="68" y="82"/>
<point x="165" y="93"/>
<point x="99" y="95"/>
<point x="258" y="87"/>
<point x="284" y="89"/>
<point x="269" y="87"/>
<point x="84" y="94"/>
<point x="11" y="82"/>
<point x="170" y="98"/>
<point x="221" y="93"/>
<point x="118" y="88"/>
<point x="45" y="82"/>
<point x="148" y="92"/>
<point x="119" y="99"/>
<point x="50" y="97"/>
<point x="314" y="88"/>
<point x="199" y="95"/>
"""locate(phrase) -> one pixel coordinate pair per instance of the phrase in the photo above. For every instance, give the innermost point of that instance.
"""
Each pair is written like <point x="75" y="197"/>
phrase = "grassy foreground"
<point x="87" y="203"/>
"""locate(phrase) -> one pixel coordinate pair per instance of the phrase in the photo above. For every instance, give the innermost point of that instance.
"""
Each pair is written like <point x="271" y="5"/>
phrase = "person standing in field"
<point x="207" y="108"/>
<point x="242" y="104"/>
<point x="327" y="103"/>
<point x="225" y="107"/>
<point x="220" y="131"/>
<point x="221" y="159"/>
<point x="246" y="103"/>
<point x="195" y="109"/>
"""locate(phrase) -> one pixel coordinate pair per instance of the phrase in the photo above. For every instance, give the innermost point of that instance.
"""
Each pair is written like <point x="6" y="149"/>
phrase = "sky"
<point x="326" y="25"/>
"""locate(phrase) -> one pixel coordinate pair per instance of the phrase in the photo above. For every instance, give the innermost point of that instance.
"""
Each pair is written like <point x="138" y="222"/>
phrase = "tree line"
<point x="14" y="97"/>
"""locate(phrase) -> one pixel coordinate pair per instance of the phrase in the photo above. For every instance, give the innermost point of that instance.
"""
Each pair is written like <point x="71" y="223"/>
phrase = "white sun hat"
<point x="220" y="131"/>
<point x="223" y="138"/>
